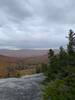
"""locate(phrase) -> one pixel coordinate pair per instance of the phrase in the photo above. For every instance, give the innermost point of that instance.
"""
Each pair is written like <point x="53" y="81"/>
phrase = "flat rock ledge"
<point x="24" y="88"/>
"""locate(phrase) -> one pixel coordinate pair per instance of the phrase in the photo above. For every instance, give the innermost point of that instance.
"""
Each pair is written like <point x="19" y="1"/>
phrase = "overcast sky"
<point x="35" y="23"/>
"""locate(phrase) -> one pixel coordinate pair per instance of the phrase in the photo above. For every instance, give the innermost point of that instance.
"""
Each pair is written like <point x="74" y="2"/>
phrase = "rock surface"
<point x="25" y="88"/>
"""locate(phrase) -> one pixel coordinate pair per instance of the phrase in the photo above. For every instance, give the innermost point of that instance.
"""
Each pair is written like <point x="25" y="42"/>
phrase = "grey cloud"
<point x="60" y="12"/>
<point x="35" y="23"/>
<point x="16" y="10"/>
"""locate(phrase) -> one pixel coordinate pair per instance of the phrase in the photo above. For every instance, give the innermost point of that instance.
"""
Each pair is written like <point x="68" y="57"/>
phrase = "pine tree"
<point x="62" y="53"/>
<point x="71" y="45"/>
<point x="51" y="53"/>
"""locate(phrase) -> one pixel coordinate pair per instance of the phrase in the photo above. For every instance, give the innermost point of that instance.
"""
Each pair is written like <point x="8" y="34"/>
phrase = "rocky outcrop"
<point x="25" y="88"/>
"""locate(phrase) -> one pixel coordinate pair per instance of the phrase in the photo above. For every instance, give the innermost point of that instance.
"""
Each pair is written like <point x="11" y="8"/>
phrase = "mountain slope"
<point x="23" y="52"/>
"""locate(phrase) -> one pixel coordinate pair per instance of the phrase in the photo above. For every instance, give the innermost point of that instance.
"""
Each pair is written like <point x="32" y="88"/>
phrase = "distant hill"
<point x="24" y="56"/>
<point x="23" y="53"/>
<point x="6" y="60"/>
<point x="31" y="58"/>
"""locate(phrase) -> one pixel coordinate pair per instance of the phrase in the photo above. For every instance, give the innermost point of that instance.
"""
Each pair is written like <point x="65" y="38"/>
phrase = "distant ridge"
<point x="23" y="53"/>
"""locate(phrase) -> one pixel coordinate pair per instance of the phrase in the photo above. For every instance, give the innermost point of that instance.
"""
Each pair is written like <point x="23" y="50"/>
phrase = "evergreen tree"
<point x="71" y="45"/>
<point x="61" y="73"/>
<point x="51" y="53"/>
<point x="62" y="53"/>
